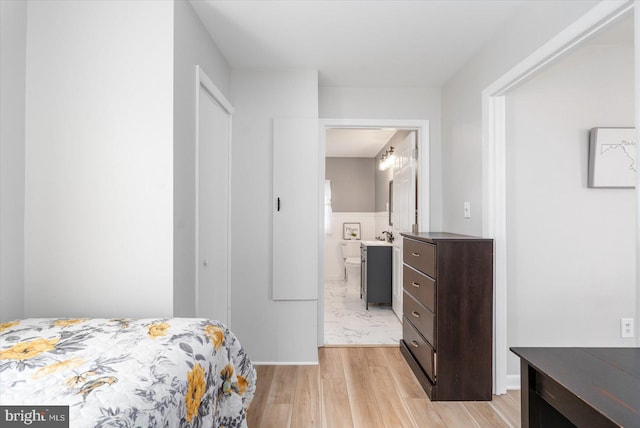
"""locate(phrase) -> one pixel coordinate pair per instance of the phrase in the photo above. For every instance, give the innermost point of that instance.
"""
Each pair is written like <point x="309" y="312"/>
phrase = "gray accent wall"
<point x="352" y="184"/>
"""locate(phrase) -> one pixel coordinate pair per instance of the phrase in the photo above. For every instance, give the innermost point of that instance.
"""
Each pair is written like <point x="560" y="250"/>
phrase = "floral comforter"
<point x="178" y="372"/>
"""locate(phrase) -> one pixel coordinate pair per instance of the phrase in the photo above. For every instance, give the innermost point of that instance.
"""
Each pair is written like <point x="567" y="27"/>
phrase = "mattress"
<point x="176" y="372"/>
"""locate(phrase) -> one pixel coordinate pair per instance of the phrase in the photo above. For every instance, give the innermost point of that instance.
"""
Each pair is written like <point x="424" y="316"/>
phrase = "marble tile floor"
<point x="347" y="322"/>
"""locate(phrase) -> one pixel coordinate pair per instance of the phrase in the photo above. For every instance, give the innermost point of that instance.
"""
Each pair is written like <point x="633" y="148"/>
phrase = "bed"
<point x="175" y="372"/>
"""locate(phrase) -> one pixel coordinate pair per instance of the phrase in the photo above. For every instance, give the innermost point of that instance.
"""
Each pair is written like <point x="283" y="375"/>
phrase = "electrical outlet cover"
<point x="626" y="327"/>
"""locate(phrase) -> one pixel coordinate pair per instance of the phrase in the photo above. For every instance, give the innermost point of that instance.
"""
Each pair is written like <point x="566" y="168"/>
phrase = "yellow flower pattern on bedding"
<point x="67" y="322"/>
<point x="215" y="334"/>
<point x="158" y="329"/>
<point x="28" y="350"/>
<point x="52" y="368"/>
<point x="242" y="384"/>
<point x="177" y="372"/>
<point x="195" y="391"/>
<point x="7" y="325"/>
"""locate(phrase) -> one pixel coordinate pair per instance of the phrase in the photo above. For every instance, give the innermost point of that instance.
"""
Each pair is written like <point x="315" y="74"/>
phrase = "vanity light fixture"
<point x="386" y="160"/>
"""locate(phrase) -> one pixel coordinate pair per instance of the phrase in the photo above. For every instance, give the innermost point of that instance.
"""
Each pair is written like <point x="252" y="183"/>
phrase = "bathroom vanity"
<point x="375" y="272"/>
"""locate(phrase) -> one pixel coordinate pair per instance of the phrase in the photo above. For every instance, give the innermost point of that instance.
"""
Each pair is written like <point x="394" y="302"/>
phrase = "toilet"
<point x="351" y="256"/>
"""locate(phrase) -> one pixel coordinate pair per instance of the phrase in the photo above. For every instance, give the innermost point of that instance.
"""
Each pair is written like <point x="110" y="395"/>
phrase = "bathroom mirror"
<point x="391" y="203"/>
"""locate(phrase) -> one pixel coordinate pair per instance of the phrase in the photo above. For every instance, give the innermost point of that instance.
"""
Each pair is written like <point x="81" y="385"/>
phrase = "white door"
<point x="212" y="212"/>
<point x="404" y="208"/>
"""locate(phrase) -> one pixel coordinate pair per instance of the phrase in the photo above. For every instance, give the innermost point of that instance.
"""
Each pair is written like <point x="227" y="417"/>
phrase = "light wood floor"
<point x="364" y="387"/>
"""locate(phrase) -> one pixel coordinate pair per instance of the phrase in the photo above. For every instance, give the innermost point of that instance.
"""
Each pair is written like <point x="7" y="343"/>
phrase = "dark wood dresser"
<point x="448" y="314"/>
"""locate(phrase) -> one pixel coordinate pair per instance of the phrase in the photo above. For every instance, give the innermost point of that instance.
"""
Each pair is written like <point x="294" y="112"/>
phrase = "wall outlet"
<point x="626" y="327"/>
<point x="467" y="210"/>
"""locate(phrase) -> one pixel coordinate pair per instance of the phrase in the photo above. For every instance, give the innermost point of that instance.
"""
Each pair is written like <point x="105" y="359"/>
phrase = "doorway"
<point x="343" y="315"/>
<point x="494" y="160"/>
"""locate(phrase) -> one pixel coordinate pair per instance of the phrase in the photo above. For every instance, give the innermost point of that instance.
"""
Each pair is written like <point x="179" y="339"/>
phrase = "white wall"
<point x="13" y="49"/>
<point x="536" y="23"/>
<point x="394" y="103"/>
<point x="571" y="249"/>
<point x="282" y="331"/>
<point x="192" y="46"/>
<point x="99" y="159"/>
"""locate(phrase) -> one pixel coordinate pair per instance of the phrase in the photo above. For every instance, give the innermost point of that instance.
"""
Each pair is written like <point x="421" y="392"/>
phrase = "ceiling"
<point x="365" y="43"/>
<point x="359" y="143"/>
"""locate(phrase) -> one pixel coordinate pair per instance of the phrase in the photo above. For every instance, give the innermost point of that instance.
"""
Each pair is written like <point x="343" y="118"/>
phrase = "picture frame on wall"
<point x="612" y="158"/>
<point x="351" y="231"/>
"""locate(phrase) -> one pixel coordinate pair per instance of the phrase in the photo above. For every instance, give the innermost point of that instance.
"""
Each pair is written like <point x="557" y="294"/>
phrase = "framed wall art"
<point x="350" y="231"/>
<point x="612" y="157"/>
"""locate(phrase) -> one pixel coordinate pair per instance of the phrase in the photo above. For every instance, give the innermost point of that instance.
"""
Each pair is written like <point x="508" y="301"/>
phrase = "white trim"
<point x="203" y="80"/>
<point x="494" y="207"/>
<point x="513" y="382"/>
<point x="424" y="201"/>
<point x="636" y="18"/>
<point x="494" y="150"/>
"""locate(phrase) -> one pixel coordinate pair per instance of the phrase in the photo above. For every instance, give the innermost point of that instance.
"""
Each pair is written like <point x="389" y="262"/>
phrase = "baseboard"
<point x="358" y="345"/>
<point x="288" y="363"/>
<point x="513" y="381"/>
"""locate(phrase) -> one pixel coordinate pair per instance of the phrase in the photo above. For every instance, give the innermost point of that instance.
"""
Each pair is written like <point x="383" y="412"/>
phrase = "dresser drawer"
<point x="422" y="318"/>
<point x="420" y="286"/>
<point x="420" y="255"/>
<point x="423" y="353"/>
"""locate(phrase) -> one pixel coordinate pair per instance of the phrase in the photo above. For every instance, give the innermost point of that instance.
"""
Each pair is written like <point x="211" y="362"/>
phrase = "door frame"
<point x="494" y="212"/>
<point x="424" y="169"/>
<point x="202" y="80"/>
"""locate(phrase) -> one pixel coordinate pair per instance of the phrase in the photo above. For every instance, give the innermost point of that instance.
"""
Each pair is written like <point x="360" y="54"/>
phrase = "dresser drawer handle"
<point x="415" y="284"/>
<point x="415" y="314"/>
<point x="414" y="344"/>
<point x="415" y="254"/>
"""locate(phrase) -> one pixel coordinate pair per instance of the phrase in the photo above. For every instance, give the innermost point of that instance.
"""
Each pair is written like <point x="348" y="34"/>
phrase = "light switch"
<point x="467" y="209"/>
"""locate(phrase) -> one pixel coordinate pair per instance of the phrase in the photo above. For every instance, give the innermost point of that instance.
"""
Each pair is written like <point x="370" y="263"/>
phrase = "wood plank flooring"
<point x="364" y="387"/>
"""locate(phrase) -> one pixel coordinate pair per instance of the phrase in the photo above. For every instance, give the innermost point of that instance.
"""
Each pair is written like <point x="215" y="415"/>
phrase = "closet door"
<point x="295" y="208"/>
<point x="213" y="138"/>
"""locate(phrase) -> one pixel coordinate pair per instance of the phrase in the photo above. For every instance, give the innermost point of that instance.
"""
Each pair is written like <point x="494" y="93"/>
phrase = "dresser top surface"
<point x="607" y="379"/>
<point x="442" y="236"/>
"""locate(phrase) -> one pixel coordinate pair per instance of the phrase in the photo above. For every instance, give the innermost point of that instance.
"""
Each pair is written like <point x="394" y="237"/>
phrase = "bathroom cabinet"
<point x="448" y="314"/>
<point x="375" y="273"/>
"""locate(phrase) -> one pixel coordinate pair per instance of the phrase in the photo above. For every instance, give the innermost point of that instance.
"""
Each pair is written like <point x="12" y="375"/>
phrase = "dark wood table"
<point x="583" y="387"/>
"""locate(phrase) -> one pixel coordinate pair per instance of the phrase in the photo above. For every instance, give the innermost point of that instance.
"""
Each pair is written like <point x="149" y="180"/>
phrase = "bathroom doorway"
<point x="359" y="164"/>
